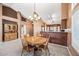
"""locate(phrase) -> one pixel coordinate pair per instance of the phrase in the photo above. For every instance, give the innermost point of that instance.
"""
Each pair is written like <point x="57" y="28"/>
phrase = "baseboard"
<point x="72" y="51"/>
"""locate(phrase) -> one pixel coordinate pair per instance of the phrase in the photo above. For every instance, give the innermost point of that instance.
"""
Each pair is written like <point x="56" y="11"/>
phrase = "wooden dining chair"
<point x="39" y="35"/>
<point x="26" y="46"/>
<point x="45" y="45"/>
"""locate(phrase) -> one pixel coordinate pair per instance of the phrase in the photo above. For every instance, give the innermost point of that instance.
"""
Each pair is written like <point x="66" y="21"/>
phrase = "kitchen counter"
<point x="57" y="37"/>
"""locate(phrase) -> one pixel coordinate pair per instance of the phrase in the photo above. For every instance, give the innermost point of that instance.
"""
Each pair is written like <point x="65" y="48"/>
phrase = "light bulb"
<point x="35" y="15"/>
<point x="38" y="17"/>
<point x="29" y="17"/>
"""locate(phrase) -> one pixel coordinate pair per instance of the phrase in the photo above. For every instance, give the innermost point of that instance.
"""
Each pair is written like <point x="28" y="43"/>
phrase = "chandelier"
<point x="35" y="15"/>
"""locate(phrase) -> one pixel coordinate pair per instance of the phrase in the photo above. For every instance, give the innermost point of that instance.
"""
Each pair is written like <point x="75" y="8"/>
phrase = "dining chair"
<point x="39" y="35"/>
<point x="26" y="46"/>
<point x="45" y="45"/>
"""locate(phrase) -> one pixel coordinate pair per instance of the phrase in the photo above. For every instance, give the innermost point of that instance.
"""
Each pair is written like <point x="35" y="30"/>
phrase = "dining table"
<point x="35" y="40"/>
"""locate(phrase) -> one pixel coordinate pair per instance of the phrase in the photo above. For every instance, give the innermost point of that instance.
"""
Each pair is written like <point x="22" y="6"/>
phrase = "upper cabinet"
<point x="64" y="10"/>
<point x="65" y="15"/>
<point x="51" y="28"/>
<point x="64" y="24"/>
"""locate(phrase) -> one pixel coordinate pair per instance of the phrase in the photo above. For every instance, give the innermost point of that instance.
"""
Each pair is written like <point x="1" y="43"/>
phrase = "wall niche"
<point x="10" y="30"/>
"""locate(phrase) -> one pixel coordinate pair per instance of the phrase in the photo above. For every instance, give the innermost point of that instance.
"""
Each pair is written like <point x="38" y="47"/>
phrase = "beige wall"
<point x="0" y="22"/>
<point x="37" y="27"/>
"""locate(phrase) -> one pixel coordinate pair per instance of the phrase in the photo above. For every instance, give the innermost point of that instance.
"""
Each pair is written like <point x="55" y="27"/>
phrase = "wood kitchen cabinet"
<point x="53" y="27"/>
<point x="56" y="37"/>
<point x="64" y="10"/>
<point x="64" y="15"/>
<point x="64" y="24"/>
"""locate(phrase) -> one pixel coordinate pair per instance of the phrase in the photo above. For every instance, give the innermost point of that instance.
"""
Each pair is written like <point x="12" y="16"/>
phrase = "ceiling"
<point x="43" y="9"/>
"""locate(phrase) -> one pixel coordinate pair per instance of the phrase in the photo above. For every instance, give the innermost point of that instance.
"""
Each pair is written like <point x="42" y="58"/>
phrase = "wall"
<point x="37" y="27"/>
<point x="23" y="29"/>
<point x="0" y="22"/>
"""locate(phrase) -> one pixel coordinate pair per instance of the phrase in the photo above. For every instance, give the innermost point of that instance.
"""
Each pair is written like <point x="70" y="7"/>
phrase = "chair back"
<point x="47" y="38"/>
<point x="39" y="35"/>
<point x="24" y="42"/>
<point x="45" y="35"/>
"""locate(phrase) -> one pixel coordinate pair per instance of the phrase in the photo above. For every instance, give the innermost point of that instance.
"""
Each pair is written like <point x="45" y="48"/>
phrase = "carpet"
<point x="54" y="50"/>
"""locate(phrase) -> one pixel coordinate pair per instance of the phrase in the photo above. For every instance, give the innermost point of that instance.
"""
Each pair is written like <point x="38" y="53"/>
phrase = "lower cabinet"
<point x="57" y="37"/>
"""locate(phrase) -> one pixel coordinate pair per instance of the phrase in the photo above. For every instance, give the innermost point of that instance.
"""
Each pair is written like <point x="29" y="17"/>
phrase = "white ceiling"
<point x="43" y="9"/>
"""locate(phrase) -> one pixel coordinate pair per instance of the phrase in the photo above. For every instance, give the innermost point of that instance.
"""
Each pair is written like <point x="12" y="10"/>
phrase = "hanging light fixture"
<point x="52" y="18"/>
<point x="35" y="16"/>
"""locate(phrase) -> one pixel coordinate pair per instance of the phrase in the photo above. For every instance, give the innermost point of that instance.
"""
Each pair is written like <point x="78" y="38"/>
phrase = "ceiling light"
<point x="35" y="16"/>
<point x="30" y="17"/>
<point x="39" y="18"/>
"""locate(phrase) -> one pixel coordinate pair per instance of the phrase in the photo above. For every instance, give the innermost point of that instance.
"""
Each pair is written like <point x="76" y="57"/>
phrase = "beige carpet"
<point x="58" y="50"/>
<point x="54" y="50"/>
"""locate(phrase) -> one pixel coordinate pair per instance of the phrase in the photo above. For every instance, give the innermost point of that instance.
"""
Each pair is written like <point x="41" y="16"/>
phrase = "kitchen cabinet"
<point x="56" y="37"/>
<point x="53" y="27"/>
<point x="64" y="10"/>
<point x="64" y="24"/>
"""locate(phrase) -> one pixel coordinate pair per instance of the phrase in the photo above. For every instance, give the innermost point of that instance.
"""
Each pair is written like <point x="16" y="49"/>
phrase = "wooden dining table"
<point x="34" y="40"/>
